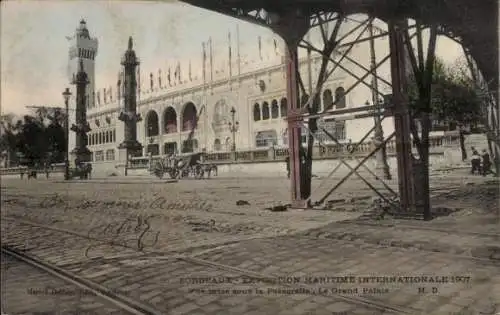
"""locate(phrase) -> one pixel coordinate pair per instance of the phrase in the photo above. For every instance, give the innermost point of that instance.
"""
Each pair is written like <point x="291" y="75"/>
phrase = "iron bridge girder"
<point x="475" y="22"/>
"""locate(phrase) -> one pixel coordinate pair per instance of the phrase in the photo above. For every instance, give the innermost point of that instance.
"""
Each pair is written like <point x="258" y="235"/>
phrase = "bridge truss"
<point x="407" y="55"/>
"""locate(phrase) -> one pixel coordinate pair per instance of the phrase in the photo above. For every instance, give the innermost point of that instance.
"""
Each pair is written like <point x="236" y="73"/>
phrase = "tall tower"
<point x="83" y="47"/>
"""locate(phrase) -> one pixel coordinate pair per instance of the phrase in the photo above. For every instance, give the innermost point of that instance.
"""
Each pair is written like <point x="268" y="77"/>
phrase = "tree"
<point x="10" y="136"/>
<point x="37" y="139"/>
<point x="454" y="98"/>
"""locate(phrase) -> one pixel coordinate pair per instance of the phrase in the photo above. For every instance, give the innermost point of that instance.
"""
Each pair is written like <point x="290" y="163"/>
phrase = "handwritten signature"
<point x="132" y="233"/>
<point x="160" y="203"/>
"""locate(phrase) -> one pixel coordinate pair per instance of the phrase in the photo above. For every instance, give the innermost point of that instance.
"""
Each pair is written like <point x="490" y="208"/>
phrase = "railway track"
<point x="19" y="249"/>
<point x="123" y="305"/>
<point x="198" y="250"/>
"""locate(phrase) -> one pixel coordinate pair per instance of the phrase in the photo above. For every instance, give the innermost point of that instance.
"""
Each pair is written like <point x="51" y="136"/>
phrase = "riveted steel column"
<point x="292" y="26"/>
<point x="401" y="115"/>
<point x="294" y="121"/>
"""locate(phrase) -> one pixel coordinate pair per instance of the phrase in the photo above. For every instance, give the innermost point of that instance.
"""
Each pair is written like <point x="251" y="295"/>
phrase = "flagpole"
<point x="309" y="66"/>
<point x="260" y="48"/>
<point x="238" y="49"/>
<point x="230" y="57"/>
<point x="211" y="61"/>
<point x="204" y="64"/>
<point x="189" y="74"/>
<point x="138" y="82"/>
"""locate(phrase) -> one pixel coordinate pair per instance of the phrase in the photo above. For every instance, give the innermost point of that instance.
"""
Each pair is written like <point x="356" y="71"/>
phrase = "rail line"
<point x="135" y="307"/>
<point x="121" y="301"/>
<point x="183" y="253"/>
<point x="192" y="259"/>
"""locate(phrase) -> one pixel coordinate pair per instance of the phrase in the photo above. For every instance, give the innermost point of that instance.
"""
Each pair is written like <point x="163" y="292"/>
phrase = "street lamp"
<point x="233" y="127"/>
<point x="66" y="94"/>
<point x="381" y="156"/>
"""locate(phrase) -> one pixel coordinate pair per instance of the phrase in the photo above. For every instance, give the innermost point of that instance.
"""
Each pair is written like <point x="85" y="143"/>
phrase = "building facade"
<point x="173" y="108"/>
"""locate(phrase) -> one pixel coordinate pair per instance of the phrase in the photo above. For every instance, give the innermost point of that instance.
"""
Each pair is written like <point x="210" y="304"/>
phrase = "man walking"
<point x="486" y="169"/>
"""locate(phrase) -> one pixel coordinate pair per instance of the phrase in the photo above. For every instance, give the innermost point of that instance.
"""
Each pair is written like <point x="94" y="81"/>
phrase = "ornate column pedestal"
<point x="130" y="146"/>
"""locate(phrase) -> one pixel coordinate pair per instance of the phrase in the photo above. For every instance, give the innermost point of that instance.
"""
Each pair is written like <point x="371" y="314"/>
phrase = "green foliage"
<point x="36" y="139"/>
<point x="454" y="96"/>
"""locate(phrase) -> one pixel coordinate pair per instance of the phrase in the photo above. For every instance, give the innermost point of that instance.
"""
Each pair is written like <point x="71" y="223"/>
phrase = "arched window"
<point x="275" y="110"/>
<point x="189" y="117"/>
<point x="284" y="137"/>
<point x="283" y="107"/>
<point x="256" y="112"/>
<point x="304" y="99"/>
<point x="217" y="145"/>
<point x="340" y="97"/>
<point x="170" y="120"/>
<point x="327" y="100"/>
<point x="265" y="111"/>
<point x="152" y="124"/>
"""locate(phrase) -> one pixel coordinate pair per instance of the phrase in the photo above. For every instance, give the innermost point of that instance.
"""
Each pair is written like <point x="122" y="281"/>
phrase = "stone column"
<point x="81" y="153"/>
<point x="129" y="116"/>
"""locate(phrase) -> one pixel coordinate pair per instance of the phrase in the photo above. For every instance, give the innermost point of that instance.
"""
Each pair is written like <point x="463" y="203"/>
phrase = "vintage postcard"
<point x="248" y="157"/>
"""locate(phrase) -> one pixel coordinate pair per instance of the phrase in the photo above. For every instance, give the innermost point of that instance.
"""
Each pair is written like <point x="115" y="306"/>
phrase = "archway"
<point x="275" y="111"/>
<point x="327" y="100"/>
<point x="340" y="97"/>
<point x="217" y="145"/>
<point x="170" y="120"/>
<point x="227" y="144"/>
<point x="283" y="107"/>
<point x="152" y="124"/>
<point x="256" y="112"/>
<point x="265" y="111"/>
<point x="188" y="117"/>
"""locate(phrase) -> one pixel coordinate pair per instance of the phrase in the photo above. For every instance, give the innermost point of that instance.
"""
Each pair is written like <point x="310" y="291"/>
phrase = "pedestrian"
<point x="287" y="161"/>
<point x="89" y="170"/>
<point x="47" y="170"/>
<point x="475" y="162"/>
<point x="486" y="167"/>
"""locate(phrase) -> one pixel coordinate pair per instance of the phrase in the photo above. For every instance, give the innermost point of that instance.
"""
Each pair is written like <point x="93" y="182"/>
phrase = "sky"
<point x="34" y="48"/>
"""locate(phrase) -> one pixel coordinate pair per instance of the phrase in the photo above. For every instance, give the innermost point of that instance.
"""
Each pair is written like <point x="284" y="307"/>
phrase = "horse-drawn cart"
<point x="83" y="171"/>
<point x="185" y="165"/>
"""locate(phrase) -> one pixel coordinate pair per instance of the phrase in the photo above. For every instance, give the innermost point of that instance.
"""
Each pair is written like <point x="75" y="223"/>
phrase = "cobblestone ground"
<point x="26" y="290"/>
<point x="296" y="244"/>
